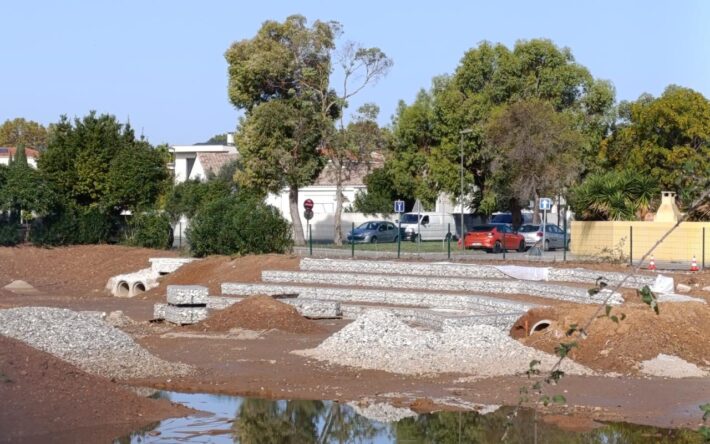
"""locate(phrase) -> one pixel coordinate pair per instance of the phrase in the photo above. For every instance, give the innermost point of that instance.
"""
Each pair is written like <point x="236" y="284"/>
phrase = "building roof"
<point x="213" y="162"/>
<point x="10" y="151"/>
<point x="203" y="149"/>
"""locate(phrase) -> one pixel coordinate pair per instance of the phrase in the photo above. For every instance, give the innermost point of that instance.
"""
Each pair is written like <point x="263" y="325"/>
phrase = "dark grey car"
<point x="554" y="236"/>
<point x="374" y="231"/>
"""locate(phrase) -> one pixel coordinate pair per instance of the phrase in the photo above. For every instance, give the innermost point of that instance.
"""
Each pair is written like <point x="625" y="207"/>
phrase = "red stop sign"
<point x="308" y="204"/>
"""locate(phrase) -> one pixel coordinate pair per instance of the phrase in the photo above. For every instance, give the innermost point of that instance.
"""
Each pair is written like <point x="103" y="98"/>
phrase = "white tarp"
<point x="524" y="273"/>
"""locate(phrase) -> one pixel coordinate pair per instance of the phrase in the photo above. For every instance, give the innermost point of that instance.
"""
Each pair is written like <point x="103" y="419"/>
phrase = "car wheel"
<point x="498" y="247"/>
<point x="415" y="237"/>
<point x="373" y="240"/>
<point x="546" y="247"/>
<point x="521" y="247"/>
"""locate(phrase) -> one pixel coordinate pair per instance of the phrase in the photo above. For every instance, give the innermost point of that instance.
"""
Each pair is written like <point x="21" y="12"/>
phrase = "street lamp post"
<point x="463" y="234"/>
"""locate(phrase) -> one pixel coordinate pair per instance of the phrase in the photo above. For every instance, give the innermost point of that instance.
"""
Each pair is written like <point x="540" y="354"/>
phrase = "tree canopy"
<point x="97" y="162"/>
<point x="667" y="138"/>
<point x="19" y="131"/>
<point x="454" y="115"/>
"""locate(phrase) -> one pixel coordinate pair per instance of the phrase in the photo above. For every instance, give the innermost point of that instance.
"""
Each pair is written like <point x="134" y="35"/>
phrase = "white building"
<point x="8" y="152"/>
<point x="195" y="162"/>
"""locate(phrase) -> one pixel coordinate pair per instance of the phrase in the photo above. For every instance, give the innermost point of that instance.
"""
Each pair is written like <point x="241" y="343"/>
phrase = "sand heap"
<point x="258" y="313"/>
<point x="681" y="330"/>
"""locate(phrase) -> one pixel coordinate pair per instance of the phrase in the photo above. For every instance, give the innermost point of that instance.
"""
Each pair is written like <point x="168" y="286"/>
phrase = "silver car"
<point x="554" y="236"/>
<point x="374" y="231"/>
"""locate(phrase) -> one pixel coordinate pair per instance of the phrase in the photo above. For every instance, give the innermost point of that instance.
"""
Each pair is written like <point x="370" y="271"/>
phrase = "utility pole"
<point x="463" y="233"/>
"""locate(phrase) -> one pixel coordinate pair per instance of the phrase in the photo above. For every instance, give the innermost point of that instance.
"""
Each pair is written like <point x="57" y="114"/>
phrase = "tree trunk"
<point x="338" y="237"/>
<point x="298" y="237"/>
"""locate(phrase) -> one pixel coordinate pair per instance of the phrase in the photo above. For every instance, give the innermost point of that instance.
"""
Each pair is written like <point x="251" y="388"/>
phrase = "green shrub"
<point x="70" y="225"/>
<point x="150" y="230"/>
<point x="238" y="225"/>
<point x="9" y="233"/>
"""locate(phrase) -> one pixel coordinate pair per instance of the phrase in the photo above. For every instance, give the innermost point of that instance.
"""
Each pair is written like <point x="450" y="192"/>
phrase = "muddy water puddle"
<point x="232" y="419"/>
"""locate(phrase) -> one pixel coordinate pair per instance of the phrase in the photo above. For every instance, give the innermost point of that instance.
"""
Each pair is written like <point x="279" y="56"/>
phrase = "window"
<point x="425" y="220"/>
<point x="390" y="227"/>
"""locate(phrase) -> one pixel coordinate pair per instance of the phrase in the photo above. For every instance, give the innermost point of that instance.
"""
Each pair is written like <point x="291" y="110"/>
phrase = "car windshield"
<point x="369" y="226"/>
<point x="482" y="228"/>
<point x="529" y="228"/>
<point x="409" y="218"/>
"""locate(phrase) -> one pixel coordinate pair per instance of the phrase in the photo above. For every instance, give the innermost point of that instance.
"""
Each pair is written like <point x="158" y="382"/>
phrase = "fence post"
<point x="564" y="239"/>
<point x="448" y="243"/>
<point x="352" y="241"/>
<point x="631" y="244"/>
<point x="703" y="248"/>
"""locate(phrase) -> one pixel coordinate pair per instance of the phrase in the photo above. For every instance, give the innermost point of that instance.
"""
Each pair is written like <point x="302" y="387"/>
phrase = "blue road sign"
<point x="399" y="206"/>
<point x="545" y="203"/>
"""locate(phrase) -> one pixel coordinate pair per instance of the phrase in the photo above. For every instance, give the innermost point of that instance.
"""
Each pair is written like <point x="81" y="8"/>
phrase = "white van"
<point x="427" y="226"/>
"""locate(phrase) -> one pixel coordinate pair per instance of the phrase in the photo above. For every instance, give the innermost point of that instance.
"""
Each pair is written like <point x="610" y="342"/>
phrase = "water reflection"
<point x="252" y="421"/>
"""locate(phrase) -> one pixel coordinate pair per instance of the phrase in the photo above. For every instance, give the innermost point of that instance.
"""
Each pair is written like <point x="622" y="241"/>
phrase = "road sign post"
<point x="545" y="206"/>
<point x="308" y="214"/>
<point x="399" y="209"/>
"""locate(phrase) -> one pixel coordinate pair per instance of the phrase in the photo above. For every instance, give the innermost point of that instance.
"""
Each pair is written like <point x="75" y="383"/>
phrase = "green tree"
<point x="26" y="132"/>
<point x="352" y="145"/>
<point x="236" y="225"/>
<point x="272" y="77"/>
<point x="23" y="190"/>
<point x="188" y="197"/>
<point x="427" y="135"/>
<point x="614" y="195"/>
<point x="537" y="149"/>
<point x="667" y="138"/>
<point x="97" y="162"/>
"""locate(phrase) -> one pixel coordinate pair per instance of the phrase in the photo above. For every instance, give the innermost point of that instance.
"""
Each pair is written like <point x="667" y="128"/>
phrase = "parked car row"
<point x="494" y="238"/>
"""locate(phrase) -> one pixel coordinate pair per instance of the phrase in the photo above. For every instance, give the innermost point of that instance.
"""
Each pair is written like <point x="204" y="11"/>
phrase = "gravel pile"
<point x="85" y="341"/>
<point x="379" y="340"/>
<point x="671" y="367"/>
<point x="382" y="412"/>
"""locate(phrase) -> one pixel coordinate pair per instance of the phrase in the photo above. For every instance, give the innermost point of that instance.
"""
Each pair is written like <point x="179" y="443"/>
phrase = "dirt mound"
<point x="258" y="313"/>
<point x="214" y="270"/>
<point x="54" y="401"/>
<point x="80" y="270"/>
<point x="681" y="329"/>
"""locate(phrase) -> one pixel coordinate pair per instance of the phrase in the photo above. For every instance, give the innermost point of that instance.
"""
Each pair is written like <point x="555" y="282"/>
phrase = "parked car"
<point x="374" y="231"/>
<point x="427" y="226"/>
<point x="554" y="236"/>
<point x="494" y="238"/>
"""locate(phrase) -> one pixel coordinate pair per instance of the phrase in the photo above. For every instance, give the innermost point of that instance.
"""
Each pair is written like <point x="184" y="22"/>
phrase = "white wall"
<point x="31" y="161"/>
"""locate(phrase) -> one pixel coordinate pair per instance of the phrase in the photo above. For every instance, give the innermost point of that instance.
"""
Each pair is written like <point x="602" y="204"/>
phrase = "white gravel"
<point x="669" y="366"/>
<point x="382" y="412"/>
<point x="379" y="340"/>
<point x="85" y="341"/>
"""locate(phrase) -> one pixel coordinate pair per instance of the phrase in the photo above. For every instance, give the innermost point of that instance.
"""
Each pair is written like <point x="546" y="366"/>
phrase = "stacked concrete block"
<point x="499" y="286"/>
<point x="159" y="311"/>
<point x="348" y="295"/>
<point x="475" y="271"/>
<point x="166" y="265"/>
<point x="187" y="304"/>
<point x="316" y="309"/>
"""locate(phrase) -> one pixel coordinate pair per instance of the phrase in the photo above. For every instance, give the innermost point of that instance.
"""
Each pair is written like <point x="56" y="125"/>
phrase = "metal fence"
<point x="612" y="245"/>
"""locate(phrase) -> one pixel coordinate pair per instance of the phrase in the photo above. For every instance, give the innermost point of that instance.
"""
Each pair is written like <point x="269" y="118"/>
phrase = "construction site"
<point x="88" y="331"/>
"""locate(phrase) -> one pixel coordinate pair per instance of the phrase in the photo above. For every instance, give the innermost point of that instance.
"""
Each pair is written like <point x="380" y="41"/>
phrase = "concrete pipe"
<point x="138" y="288"/>
<point x="540" y="326"/>
<point x="123" y="290"/>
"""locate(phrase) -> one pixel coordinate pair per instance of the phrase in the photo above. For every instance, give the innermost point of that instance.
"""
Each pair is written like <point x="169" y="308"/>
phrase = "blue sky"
<point x="160" y="63"/>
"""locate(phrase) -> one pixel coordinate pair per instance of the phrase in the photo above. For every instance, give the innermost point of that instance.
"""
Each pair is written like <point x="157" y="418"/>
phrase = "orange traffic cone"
<point x="694" y="265"/>
<point x="652" y="264"/>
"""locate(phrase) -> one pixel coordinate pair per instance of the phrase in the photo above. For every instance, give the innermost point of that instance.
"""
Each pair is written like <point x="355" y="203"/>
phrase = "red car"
<point x="493" y="238"/>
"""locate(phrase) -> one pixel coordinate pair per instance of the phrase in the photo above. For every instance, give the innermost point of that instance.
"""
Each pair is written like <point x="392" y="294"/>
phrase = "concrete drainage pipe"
<point x="138" y="288"/>
<point x="540" y="326"/>
<point x="123" y="290"/>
